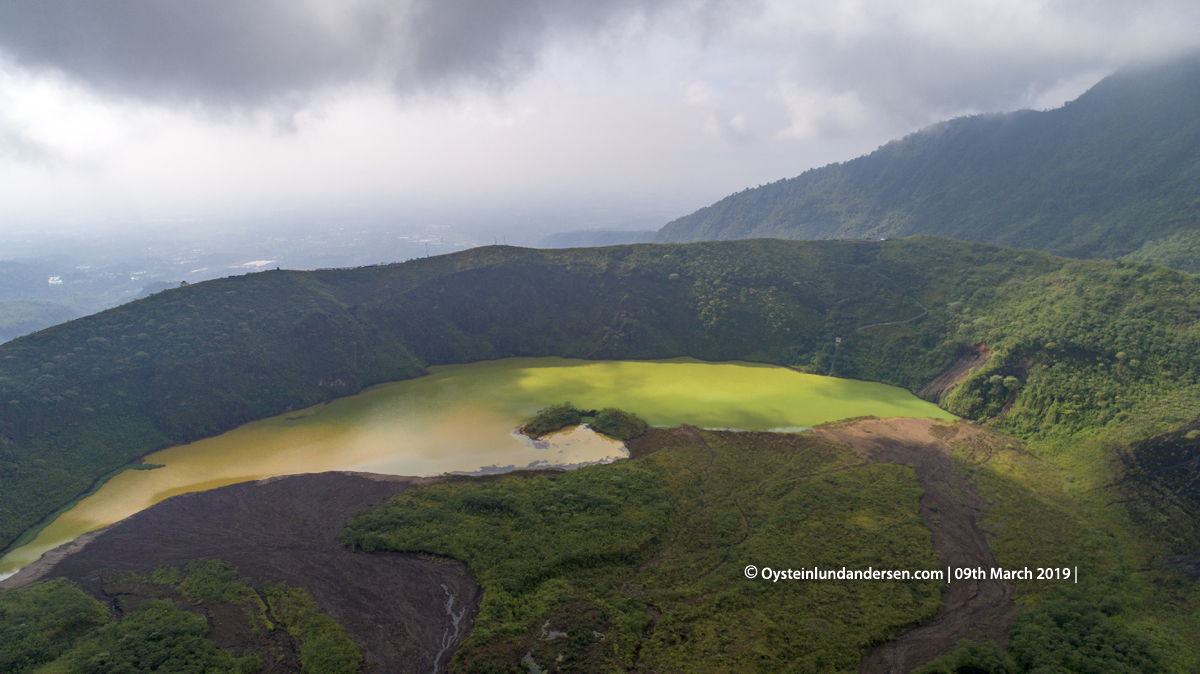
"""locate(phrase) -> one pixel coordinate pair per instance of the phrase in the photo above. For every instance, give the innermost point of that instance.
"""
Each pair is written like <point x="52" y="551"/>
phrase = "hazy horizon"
<point x="500" y="121"/>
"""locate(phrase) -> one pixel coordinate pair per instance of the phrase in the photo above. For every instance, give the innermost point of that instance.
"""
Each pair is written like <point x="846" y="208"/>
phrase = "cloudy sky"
<point x="148" y="111"/>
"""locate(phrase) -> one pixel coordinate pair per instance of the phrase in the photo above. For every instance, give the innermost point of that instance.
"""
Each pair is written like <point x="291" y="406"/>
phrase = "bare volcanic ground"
<point x="976" y="610"/>
<point x="974" y="359"/>
<point x="286" y="530"/>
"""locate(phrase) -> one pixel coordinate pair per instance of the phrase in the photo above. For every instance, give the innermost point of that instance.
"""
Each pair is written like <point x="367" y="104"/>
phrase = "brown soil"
<point x="974" y="359"/>
<point x="976" y="610"/>
<point x="644" y="445"/>
<point x="286" y="530"/>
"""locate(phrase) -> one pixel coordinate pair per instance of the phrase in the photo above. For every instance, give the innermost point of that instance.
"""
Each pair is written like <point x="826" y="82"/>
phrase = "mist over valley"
<point x="398" y="336"/>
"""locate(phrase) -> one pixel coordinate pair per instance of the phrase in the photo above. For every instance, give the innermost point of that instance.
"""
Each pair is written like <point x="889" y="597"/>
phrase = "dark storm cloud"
<point x="907" y="59"/>
<point x="249" y="51"/>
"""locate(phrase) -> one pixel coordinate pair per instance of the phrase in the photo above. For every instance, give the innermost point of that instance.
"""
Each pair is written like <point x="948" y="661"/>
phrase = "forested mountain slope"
<point x="1074" y="344"/>
<point x="1113" y="173"/>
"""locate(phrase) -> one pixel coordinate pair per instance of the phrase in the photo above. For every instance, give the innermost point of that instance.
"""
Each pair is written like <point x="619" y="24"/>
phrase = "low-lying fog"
<point x="49" y="277"/>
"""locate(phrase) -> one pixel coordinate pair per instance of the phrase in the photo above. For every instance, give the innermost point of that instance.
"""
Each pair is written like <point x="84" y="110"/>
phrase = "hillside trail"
<point x="889" y="279"/>
<point x="972" y="609"/>
<point x="925" y="310"/>
<point x="909" y="320"/>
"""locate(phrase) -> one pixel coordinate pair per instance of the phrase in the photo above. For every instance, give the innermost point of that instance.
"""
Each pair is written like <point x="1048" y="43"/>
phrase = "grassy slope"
<point x="641" y="563"/>
<point x="81" y="399"/>
<point x="1115" y="171"/>
<point x="1103" y="354"/>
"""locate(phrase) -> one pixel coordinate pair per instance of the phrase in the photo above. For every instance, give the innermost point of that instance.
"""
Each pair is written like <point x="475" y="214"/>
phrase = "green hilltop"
<point x="1093" y="366"/>
<point x="1080" y="344"/>
<point x="1115" y="172"/>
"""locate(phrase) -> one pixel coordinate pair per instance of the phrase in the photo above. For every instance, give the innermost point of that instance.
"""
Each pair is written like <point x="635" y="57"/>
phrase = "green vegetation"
<point x="1078" y="636"/>
<point x="609" y="421"/>
<point x="212" y="581"/>
<point x="40" y="622"/>
<point x="31" y="533"/>
<point x="1179" y="251"/>
<point x="971" y="658"/>
<point x="156" y="637"/>
<point x="325" y="648"/>
<point x="52" y="627"/>
<point x="1060" y="636"/>
<point x="551" y="419"/>
<point x="1111" y="618"/>
<point x="1162" y="474"/>
<point x="600" y="554"/>
<point x="1112" y="173"/>
<point x="84" y="398"/>
<point x="617" y="424"/>
<point x="1087" y="360"/>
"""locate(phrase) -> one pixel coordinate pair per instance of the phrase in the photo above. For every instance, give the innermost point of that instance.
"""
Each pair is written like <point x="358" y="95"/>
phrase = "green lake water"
<point x="461" y="418"/>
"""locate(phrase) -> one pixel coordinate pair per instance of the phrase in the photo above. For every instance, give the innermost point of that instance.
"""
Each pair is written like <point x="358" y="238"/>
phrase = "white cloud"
<point x="700" y="93"/>
<point x="815" y="113"/>
<point x="673" y="101"/>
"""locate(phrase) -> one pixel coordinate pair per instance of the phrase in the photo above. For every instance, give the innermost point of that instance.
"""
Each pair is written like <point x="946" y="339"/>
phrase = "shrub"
<point x="550" y="419"/>
<point x="618" y="425"/>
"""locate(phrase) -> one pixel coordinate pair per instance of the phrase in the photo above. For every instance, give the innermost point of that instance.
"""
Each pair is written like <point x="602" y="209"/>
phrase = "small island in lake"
<point x="614" y="423"/>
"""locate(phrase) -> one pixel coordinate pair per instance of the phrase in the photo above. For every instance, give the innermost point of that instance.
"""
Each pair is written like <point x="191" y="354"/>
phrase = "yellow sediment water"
<point x="462" y="417"/>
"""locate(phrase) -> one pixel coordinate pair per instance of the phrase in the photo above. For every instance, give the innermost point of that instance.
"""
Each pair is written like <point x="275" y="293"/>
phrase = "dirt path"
<point x="974" y="359"/>
<point x="287" y="530"/>
<point x="910" y="320"/>
<point x="977" y="610"/>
